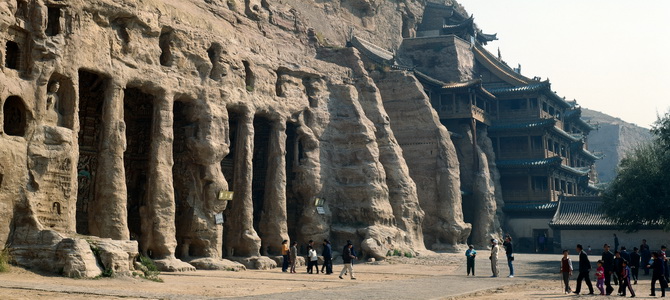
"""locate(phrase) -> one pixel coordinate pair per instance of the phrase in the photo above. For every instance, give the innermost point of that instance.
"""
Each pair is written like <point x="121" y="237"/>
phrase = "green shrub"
<point x="4" y="260"/>
<point x="149" y="270"/>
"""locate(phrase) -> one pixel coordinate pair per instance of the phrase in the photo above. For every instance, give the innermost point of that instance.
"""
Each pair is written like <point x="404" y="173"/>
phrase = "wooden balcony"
<point x="468" y="112"/>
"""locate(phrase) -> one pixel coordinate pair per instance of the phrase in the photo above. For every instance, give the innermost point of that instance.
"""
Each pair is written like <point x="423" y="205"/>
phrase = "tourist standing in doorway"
<point x="494" y="257"/>
<point x="566" y="270"/>
<point x="509" y="253"/>
<point x="635" y="264"/>
<point x="327" y="257"/>
<point x="294" y="255"/>
<point x="608" y="264"/>
<point x="348" y="257"/>
<point x="584" y="269"/>
<point x="645" y="253"/>
<point x="470" y="255"/>
<point x="657" y="274"/>
<point x="285" y="256"/>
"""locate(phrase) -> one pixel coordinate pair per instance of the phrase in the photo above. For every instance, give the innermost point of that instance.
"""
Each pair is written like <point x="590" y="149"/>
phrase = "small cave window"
<point x="53" y="21"/>
<point x="248" y="76"/>
<point x="55" y="208"/>
<point x="165" y="43"/>
<point x="279" y="90"/>
<point x="22" y="9"/>
<point x="14" y="113"/>
<point x="12" y="55"/>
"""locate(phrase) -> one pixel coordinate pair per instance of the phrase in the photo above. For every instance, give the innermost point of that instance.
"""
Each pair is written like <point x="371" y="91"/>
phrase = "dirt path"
<point x="436" y="277"/>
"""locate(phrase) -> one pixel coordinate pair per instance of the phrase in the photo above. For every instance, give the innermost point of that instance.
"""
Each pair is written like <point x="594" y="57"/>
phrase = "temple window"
<point x="53" y="21"/>
<point x="12" y="55"/>
<point x="249" y="77"/>
<point x="14" y="113"/>
<point x="165" y="43"/>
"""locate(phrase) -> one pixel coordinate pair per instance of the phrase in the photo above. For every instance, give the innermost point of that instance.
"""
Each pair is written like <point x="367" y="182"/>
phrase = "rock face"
<point x="613" y="138"/>
<point x="127" y="124"/>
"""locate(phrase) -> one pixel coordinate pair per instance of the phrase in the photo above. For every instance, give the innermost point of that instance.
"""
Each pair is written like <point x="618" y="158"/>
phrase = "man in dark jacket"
<point x="327" y="257"/>
<point x="608" y="265"/>
<point x="634" y="264"/>
<point x="584" y="269"/>
<point x="348" y="257"/>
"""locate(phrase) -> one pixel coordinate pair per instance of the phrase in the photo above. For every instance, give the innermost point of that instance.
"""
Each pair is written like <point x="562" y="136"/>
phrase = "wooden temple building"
<point x="538" y="138"/>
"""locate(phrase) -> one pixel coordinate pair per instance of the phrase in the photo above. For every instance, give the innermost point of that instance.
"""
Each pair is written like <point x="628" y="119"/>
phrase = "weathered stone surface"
<point x="256" y="262"/>
<point x="208" y="263"/>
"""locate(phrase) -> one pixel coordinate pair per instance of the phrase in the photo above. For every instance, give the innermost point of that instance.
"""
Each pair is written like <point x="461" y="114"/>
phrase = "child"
<point x="470" y="256"/>
<point x="566" y="271"/>
<point x="624" y="280"/>
<point x="600" y="276"/>
<point x="313" y="261"/>
<point x="294" y="255"/>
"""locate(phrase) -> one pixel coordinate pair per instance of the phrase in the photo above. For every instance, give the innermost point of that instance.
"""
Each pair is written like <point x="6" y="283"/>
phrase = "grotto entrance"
<point x="262" y="128"/>
<point x="138" y="116"/>
<point x="92" y="89"/>
<point x="228" y="162"/>
<point x="183" y="130"/>
<point x="293" y="204"/>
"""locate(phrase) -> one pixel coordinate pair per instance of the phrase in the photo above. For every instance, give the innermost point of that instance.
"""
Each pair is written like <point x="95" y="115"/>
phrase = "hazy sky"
<point x="612" y="56"/>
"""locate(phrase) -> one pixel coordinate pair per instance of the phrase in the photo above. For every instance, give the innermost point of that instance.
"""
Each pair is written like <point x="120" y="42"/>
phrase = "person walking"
<point x="509" y="253"/>
<point x="584" y="269"/>
<point x="294" y="255"/>
<point x="634" y="264"/>
<point x="313" y="261"/>
<point x="470" y="255"/>
<point x="348" y="257"/>
<point x="327" y="257"/>
<point x="616" y="270"/>
<point x="566" y="270"/>
<point x="494" y="257"/>
<point x="285" y="256"/>
<point x="657" y="267"/>
<point x="624" y="280"/>
<point x="608" y="264"/>
<point x="600" y="277"/>
<point x="645" y="254"/>
<point x="665" y="263"/>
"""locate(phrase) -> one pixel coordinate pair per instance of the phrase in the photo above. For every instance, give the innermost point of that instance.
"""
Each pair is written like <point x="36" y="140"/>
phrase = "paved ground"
<point x="436" y="277"/>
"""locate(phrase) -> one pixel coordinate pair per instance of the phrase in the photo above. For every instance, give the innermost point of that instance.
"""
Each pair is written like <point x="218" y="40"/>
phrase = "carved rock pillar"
<point x="107" y="213"/>
<point x="158" y="224"/>
<point x="240" y="237"/>
<point x="273" y="227"/>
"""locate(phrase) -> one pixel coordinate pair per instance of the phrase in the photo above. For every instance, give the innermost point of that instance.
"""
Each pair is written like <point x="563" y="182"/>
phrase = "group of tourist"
<point x="471" y="253"/>
<point x="620" y="268"/>
<point x="290" y="258"/>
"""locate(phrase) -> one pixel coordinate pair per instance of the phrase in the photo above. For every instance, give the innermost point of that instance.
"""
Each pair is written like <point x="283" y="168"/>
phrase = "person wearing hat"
<point x="348" y="260"/>
<point x="494" y="257"/>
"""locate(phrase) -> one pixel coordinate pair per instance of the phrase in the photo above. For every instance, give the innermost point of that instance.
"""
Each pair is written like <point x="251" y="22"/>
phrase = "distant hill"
<point x="613" y="138"/>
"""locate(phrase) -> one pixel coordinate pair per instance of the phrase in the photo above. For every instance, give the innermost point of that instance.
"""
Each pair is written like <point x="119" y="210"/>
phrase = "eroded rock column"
<point x="107" y="213"/>
<point x="273" y="227"/>
<point x="158" y="227"/>
<point x="240" y="238"/>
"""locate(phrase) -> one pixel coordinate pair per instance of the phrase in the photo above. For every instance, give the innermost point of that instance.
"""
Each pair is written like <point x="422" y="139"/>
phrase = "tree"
<point x="640" y="193"/>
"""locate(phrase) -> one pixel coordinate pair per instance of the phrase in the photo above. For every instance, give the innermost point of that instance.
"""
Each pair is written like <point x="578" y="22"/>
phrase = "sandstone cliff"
<point x="613" y="138"/>
<point x="125" y="123"/>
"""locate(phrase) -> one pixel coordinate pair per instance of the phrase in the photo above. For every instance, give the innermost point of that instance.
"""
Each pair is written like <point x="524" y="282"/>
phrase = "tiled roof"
<point x="528" y="163"/>
<point x="543" y="86"/>
<point x="580" y="212"/>
<point x="371" y="50"/>
<point x="531" y="207"/>
<point x="569" y="136"/>
<point x="427" y="79"/>
<point x="465" y="24"/>
<point x="542" y="123"/>
<point x="581" y="171"/>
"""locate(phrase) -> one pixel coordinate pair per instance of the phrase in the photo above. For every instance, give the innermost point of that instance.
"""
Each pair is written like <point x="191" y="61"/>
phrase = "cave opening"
<point x="12" y="55"/>
<point x="92" y="88"/>
<point x="249" y="78"/>
<point x="293" y="203"/>
<point x="138" y="113"/>
<point x="53" y="21"/>
<point x="228" y="162"/>
<point x="262" y="128"/>
<point x="14" y="116"/>
<point x="165" y="43"/>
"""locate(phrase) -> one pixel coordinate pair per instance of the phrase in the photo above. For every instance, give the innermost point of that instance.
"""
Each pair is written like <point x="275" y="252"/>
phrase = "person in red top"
<point x="566" y="271"/>
<point x="600" y="277"/>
